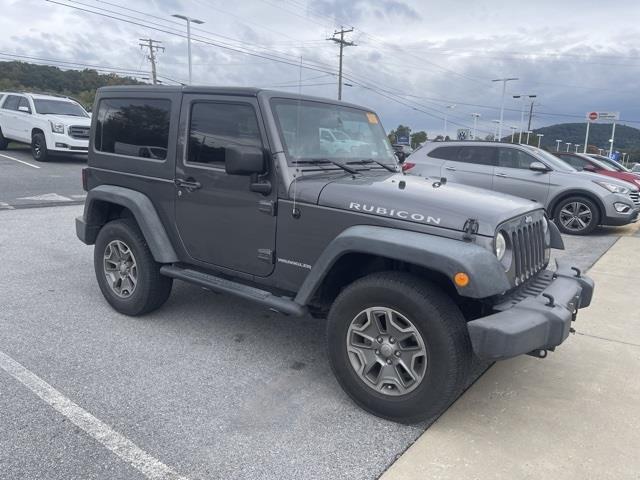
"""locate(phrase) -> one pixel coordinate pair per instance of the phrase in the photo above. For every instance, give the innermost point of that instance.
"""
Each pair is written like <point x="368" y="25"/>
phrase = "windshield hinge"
<point x="266" y="255"/>
<point x="470" y="228"/>
<point x="268" y="207"/>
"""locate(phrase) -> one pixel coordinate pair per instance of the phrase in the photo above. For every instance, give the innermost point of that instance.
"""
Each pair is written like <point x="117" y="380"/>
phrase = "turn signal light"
<point x="407" y="166"/>
<point x="461" y="279"/>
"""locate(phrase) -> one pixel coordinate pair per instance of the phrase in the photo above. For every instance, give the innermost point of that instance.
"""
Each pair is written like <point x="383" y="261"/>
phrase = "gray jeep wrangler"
<point x="236" y="191"/>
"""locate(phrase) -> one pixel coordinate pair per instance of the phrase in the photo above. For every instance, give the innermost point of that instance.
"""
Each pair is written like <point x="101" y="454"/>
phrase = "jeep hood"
<point x="414" y="199"/>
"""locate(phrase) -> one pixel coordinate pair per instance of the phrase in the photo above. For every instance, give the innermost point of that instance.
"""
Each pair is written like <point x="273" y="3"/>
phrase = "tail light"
<point x="85" y="178"/>
<point x="407" y="166"/>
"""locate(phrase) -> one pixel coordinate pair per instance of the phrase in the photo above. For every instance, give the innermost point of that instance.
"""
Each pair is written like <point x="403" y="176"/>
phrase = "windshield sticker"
<point x="392" y="212"/>
<point x="372" y="117"/>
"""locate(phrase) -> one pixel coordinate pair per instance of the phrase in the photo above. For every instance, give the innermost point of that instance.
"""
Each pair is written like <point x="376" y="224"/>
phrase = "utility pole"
<point x="613" y="136"/>
<point x="504" y="89"/>
<point x="530" y="115"/>
<point x="153" y="46"/>
<point x="522" y="98"/>
<point x="343" y="43"/>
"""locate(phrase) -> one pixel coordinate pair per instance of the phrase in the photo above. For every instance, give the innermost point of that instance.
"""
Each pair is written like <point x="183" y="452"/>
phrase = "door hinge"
<point x="267" y="206"/>
<point x="470" y="228"/>
<point x="266" y="255"/>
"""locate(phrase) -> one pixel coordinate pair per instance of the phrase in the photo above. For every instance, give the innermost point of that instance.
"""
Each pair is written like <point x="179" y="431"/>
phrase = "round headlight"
<point x="501" y="246"/>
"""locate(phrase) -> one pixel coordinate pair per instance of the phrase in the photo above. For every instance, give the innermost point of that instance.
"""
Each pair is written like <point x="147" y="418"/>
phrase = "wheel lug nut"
<point x="379" y="339"/>
<point x="377" y="352"/>
<point x="392" y="340"/>
<point x="389" y="361"/>
<point x="398" y="353"/>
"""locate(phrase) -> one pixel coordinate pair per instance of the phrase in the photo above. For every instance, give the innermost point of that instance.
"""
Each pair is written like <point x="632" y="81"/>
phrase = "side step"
<point x="221" y="285"/>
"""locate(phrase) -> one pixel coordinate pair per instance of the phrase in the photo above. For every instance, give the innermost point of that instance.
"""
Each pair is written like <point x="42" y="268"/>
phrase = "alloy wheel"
<point x="576" y="216"/>
<point x="386" y="351"/>
<point x="120" y="268"/>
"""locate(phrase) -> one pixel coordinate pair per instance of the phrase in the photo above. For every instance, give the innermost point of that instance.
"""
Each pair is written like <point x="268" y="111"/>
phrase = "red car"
<point x="580" y="161"/>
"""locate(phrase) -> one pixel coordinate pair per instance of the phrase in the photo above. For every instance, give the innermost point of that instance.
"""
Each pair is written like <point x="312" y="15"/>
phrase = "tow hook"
<point x="539" y="353"/>
<point x="551" y="302"/>
<point x="577" y="270"/>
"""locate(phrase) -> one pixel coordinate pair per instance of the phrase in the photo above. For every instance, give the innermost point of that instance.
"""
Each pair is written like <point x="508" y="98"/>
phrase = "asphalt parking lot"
<point x="27" y="183"/>
<point x="210" y="386"/>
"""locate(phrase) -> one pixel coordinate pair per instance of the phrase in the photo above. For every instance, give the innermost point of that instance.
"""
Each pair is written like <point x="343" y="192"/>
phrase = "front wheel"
<point x="127" y="273"/>
<point x="398" y="346"/>
<point x="577" y="216"/>
<point x="39" y="148"/>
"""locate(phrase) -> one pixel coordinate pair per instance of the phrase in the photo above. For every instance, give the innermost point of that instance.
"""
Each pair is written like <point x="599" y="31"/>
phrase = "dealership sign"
<point x="603" y="116"/>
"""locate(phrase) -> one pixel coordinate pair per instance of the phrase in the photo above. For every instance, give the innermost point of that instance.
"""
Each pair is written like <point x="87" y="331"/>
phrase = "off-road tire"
<point x="39" y="147"/>
<point x="4" y="143"/>
<point x="152" y="289"/>
<point x="568" y="202"/>
<point x="443" y="330"/>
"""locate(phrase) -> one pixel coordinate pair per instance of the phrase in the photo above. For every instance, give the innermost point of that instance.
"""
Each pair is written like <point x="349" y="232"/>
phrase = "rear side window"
<point x="514" y="158"/>
<point x="135" y="127"/>
<point x="477" y="155"/>
<point x="11" y="102"/>
<point x="216" y="127"/>
<point x="444" y="153"/>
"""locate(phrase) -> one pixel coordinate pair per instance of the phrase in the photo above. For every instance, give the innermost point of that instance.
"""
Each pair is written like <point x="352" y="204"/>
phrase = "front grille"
<point x="80" y="132"/>
<point x="635" y="198"/>
<point x="528" y="250"/>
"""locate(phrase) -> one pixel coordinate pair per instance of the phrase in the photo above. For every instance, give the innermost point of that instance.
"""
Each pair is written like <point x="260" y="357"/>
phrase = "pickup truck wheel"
<point x="398" y="346"/>
<point x="127" y="274"/>
<point x="577" y="216"/>
<point x="4" y="143"/>
<point x="39" y="148"/>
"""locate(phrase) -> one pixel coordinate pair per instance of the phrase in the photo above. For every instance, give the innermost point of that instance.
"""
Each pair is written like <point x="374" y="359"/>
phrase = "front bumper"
<point x="622" y="219"/>
<point x="66" y="144"/>
<point x="536" y="317"/>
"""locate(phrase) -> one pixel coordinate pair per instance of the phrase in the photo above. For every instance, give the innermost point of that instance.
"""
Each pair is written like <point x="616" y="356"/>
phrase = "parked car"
<point x="335" y="141"/>
<point x="609" y="161"/>
<point x="636" y="168"/>
<point x="50" y="124"/>
<point x="587" y="163"/>
<point x="577" y="201"/>
<point x="415" y="277"/>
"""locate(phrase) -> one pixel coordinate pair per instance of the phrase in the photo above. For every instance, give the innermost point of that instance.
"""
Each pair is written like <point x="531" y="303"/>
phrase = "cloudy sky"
<point x="412" y="59"/>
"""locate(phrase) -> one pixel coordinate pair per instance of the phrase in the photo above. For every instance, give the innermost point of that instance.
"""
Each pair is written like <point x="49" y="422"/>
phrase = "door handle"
<point x="500" y="174"/>
<point x="189" y="184"/>
<point x="451" y="169"/>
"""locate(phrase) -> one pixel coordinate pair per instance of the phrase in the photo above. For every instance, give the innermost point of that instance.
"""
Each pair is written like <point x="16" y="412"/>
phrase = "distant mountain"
<point x="81" y="85"/>
<point x="626" y="138"/>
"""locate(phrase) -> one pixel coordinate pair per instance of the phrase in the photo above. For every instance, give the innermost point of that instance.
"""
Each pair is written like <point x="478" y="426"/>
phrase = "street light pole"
<point x="522" y="97"/>
<point x="495" y="133"/>
<point x="539" y="135"/>
<point x="189" y="20"/>
<point x="513" y="131"/>
<point x="528" y="133"/>
<point x="558" y="142"/>
<point x="504" y="90"/>
<point x="475" y="123"/>
<point x="446" y="114"/>
<point x="568" y="145"/>
<point x="613" y="135"/>
<point x="577" y="145"/>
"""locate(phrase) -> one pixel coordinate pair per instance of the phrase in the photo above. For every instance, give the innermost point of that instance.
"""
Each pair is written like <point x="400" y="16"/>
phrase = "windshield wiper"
<point x="371" y="160"/>
<point x="320" y="161"/>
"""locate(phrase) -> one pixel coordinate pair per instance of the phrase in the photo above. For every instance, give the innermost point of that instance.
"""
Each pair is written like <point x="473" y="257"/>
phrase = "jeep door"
<point x="220" y="220"/>
<point x="513" y="175"/>
<point x="472" y="165"/>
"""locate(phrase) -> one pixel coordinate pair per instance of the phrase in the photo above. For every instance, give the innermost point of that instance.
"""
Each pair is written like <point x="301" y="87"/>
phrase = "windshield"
<point x="59" y="107"/>
<point x="553" y="161"/>
<point x="305" y="128"/>
<point x="609" y="161"/>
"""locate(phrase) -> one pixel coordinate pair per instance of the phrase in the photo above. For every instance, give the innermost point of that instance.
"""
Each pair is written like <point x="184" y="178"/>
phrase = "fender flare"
<point x="143" y="211"/>
<point x="440" y="254"/>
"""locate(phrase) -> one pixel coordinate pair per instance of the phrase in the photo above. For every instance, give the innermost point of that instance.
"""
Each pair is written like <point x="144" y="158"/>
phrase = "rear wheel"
<point x="398" y="346"/>
<point x="39" y="147"/>
<point x="577" y="216"/>
<point x="127" y="273"/>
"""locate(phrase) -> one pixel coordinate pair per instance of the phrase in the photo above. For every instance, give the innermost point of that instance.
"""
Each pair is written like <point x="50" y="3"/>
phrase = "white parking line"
<point x="151" y="467"/>
<point x="18" y="160"/>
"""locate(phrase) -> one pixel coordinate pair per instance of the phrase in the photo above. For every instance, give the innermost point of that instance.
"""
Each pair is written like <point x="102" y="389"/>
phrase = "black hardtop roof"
<point x="211" y="90"/>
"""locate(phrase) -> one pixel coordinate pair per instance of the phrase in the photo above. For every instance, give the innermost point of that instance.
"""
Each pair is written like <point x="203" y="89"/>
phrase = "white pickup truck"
<point x="50" y="124"/>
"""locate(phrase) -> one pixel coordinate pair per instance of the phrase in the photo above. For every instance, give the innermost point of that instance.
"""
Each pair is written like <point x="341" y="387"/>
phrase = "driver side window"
<point x="514" y="158"/>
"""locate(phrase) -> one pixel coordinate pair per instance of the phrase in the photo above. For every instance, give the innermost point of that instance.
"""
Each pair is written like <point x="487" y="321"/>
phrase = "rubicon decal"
<point x="392" y="212"/>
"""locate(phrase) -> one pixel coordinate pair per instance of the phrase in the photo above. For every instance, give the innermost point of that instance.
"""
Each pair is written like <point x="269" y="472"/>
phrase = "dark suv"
<point x="232" y="189"/>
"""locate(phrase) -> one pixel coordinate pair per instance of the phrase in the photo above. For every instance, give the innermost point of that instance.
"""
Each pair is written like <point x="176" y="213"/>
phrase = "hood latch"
<point x="470" y="228"/>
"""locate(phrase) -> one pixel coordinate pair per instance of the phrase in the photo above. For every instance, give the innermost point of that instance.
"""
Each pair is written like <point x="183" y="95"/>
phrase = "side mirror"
<point x="402" y="156"/>
<point x="244" y="161"/>
<point x="538" y="167"/>
<point x="24" y="109"/>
